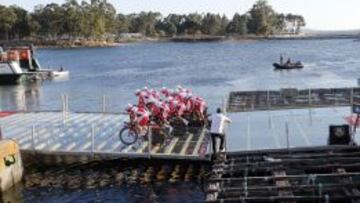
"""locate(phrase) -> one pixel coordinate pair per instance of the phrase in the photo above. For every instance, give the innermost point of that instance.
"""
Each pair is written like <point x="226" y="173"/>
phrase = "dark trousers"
<point x="222" y="141"/>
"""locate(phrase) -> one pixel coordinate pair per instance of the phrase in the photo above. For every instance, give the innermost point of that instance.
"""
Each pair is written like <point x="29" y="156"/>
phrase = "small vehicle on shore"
<point x="288" y="66"/>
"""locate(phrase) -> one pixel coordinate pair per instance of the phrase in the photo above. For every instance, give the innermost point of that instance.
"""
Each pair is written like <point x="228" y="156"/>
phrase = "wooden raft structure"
<point x="66" y="138"/>
<point x="318" y="174"/>
<point x="243" y="101"/>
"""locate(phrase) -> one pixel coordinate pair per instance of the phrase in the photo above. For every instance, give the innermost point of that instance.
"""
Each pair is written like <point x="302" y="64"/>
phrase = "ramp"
<point x="92" y="135"/>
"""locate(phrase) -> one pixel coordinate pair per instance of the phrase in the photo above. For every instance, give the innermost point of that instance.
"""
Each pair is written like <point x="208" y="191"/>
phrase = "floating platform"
<point x="321" y="174"/>
<point x="276" y="129"/>
<point x="69" y="137"/>
<point x="244" y="101"/>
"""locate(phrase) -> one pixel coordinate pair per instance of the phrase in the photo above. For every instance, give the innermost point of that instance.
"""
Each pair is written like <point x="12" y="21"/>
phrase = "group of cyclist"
<point x="165" y="105"/>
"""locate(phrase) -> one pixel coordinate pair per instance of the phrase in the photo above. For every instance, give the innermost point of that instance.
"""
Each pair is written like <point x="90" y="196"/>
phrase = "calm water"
<point x="209" y="69"/>
<point x="174" y="193"/>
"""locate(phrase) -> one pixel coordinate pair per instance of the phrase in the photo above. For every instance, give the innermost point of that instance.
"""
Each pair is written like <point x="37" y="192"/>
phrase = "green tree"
<point x="50" y="18"/>
<point x="98" y="19"/>
<point x="8" y="19"/>
<point x="100" y="15"/>
<point x="168" y="28"/>
<point x="21" y="28"/>
<point x="238" y="25"/>
<point x="176" y="20"/>
<point x="223" y="25"/>
<point x="262" y="18"/>
<point x="279" y="24"/>
<point x="191" y="24"/>
<point x="144" y="23"/>
<point x="72" y="18"/>
<point x="296" y="20"/>
<point x="211" y="24"/>
<point x="122" y="24"/>
<point x="34" y="26"/>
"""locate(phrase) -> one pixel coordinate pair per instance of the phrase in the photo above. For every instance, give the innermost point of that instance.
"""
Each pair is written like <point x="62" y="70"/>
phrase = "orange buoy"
<point x="24" y="54"/>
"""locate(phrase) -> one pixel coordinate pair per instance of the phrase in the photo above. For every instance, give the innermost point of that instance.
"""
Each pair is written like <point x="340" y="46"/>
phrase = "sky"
<point x="319" y="14"/>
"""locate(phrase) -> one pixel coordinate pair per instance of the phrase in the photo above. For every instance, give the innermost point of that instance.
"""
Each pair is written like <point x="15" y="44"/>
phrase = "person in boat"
<point x="288" y="62"/>
<point x="281" y="59"/>
<point x="32" y="49"/>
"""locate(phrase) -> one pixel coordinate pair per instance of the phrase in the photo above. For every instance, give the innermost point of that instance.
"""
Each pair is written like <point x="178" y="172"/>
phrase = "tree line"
<point x="98" y="19"/>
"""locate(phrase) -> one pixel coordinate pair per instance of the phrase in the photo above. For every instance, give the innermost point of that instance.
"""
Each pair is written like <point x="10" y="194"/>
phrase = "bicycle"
<point x="129" y="134"/>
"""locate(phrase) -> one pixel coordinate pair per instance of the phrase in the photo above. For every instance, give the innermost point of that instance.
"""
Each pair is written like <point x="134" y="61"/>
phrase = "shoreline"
<point x="68" y="44"/>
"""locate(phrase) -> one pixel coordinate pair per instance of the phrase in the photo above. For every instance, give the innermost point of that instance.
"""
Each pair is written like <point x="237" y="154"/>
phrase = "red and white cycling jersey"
<point x="166" y="92"/>
<point x="172" y="104"/>
<point x="155" y="94"/>
<point x="165" y="110"/>
<point x="199" y="104"/>
<point x="154" y="109"/>
<point x="181" y="108"/>
<point x="142" y="116"/>
<point x="165" y="104"/>
<point x="142" y="98"/>
<point x="189" y="104"/>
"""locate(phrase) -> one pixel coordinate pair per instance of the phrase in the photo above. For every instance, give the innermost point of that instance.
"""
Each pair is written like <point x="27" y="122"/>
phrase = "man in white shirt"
<point x="218" y="121"/>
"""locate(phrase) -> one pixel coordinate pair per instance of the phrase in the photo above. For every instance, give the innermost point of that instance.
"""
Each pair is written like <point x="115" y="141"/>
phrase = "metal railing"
<point x="68" y="103"/>
<point x="71" y="137"/>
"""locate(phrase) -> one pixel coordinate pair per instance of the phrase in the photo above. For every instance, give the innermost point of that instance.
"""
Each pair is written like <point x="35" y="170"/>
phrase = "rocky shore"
<point x="182" y="38"/>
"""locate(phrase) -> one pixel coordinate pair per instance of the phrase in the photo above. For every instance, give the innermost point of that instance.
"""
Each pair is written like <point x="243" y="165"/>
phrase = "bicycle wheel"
<point x="128" y="136"/>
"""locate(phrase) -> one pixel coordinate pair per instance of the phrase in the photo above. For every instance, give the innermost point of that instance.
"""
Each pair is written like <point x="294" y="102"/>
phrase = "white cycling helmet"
<point x="128" y="107"/>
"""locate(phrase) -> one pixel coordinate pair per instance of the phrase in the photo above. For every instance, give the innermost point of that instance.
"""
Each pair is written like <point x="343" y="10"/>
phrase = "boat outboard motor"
<point x="339" y="135"/>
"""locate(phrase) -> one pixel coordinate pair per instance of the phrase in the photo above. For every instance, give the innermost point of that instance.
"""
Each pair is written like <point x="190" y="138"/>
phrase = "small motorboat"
<point x="10" y="70"/>
<point x="11" y="79"/>
<point x="288" y="66"/>
<point x="60" y="74"/>
<point x="32" y="68"/>
<point x="19" y="64"/>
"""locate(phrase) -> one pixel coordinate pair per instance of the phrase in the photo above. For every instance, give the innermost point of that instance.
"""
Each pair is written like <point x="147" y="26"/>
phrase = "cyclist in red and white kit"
<point x="141" y="95"/>
<point x="140" y="117"/>
<point x="199" y="107"/>
<point x="169" y="104"/>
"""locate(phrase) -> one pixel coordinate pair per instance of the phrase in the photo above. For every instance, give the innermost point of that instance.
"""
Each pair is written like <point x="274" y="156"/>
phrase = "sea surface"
<point x="108" y="77"/>
<point x="211" y="70"/>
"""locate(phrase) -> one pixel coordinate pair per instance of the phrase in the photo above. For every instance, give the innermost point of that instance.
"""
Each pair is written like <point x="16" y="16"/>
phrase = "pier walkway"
<point x="94" y="135"/>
